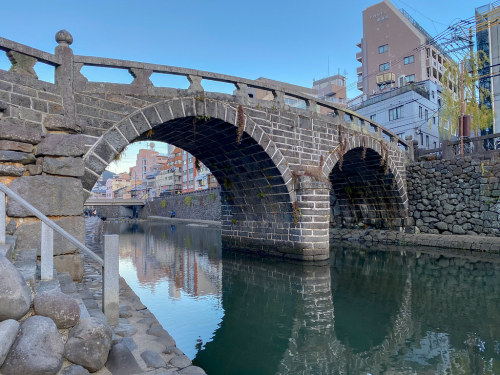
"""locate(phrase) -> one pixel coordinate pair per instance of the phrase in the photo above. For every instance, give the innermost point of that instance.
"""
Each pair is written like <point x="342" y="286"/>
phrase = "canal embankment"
<point x="140" y="344"/>
<point x="471" y="243"/>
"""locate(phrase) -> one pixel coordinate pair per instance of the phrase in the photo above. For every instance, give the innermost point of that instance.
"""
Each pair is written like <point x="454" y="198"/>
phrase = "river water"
<point x="369" y="311"/>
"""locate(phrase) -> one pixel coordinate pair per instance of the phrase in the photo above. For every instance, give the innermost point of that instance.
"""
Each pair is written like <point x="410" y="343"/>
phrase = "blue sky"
<point x="289" y="41"/>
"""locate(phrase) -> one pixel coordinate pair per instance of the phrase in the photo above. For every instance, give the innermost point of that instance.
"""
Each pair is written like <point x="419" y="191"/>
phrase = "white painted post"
<point x="2" y="217"/>
<point x="110" y="279"/>
<point x="47" y="253"/>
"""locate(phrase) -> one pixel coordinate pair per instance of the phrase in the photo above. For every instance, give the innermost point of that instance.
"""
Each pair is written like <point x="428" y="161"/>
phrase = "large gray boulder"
<point x="53" y="196"/>
<point x="62" y="145"/>
<point x="28" y="235"/>
<point x="8" y="333"/>
<point x="15" y="294"/>
<point x="61" y="308"/>
<point x="64" y="166"/>
<point x="88" y="344"/>
<point x="38" y="349"/>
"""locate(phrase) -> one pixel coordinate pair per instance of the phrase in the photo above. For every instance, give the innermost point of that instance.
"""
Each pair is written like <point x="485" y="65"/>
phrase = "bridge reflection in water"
<point x="369" y="311"/>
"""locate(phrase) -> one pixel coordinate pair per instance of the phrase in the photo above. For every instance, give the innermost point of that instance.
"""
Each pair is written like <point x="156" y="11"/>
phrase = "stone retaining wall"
<point x="459" y="196"/>
<point x="204" y="205"/>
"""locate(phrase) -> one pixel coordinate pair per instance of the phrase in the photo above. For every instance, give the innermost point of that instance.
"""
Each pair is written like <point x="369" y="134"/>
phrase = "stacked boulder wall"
<point x="38" y="349"/>
<point x="15" y="294"/>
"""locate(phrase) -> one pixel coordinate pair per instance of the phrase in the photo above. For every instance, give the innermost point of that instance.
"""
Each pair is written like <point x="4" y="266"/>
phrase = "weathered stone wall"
<point x="114" y="211"/>
<point x="199" y="205"/>
<point x="459" y="196"/>
<point x="41" y="149"/>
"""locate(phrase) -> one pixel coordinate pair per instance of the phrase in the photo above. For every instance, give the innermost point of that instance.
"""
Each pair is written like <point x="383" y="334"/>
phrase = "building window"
<point x="427" y="141"/>
<point x="383" y="48"/>
<point x="410" y="78"/>
<point x="373" y="117"/>
<point x="432" y="92"/>
<point x="409" y="59"/>
<point x="383" y="67"/>
<point x="426" y="115"/>
<point x="419" y="111"/>
<point x="421" y="139"/>
<point x="395" y="113"/>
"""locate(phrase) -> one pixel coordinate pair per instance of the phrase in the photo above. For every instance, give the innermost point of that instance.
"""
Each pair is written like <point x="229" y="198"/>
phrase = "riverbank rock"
<point x="122" y="361"/>
<point x="38" y="349"/>
<point x="61" y="308"/>
<point x="15" y="294"/>
<point x="88" y="344"/>
<point x="8" y="333"/>
<point x="153" y="359"/>
<point x="74" y="370"/>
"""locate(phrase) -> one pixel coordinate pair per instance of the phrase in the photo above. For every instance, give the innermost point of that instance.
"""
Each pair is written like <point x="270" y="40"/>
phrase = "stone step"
<point x="25" y="262"/>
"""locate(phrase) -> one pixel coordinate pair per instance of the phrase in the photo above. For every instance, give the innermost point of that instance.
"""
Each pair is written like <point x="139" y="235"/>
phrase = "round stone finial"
<point x="63" y="37"/>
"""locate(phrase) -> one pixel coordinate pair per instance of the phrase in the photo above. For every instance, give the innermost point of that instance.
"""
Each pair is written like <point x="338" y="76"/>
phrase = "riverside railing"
<point x="110" y="274"/>
<point x="483" y="147"/>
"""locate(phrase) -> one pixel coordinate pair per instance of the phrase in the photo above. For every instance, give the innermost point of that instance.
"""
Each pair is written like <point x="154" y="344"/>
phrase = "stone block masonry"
<point x="260" y="151"/>
<point x="199" y="205"/>
<point x="459" y="197"/>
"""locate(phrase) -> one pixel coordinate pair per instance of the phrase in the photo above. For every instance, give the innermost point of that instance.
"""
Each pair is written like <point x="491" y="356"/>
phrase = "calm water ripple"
<point x="370" y="311"/>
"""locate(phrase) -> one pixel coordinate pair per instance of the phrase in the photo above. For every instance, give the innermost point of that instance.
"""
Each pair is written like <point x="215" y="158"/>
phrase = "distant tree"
<point x="481" y="115"/>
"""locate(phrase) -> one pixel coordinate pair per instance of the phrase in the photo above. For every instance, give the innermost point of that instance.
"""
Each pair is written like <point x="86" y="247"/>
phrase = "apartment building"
<point x="412" y="109"/>
<point x="395" y="50"/>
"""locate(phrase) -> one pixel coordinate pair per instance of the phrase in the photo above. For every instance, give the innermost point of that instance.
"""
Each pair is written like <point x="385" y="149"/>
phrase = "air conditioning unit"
<point x="401" y="81"/>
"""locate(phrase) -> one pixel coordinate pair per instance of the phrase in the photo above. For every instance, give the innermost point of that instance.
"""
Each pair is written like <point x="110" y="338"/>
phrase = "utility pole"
<point x="462" y="108"/>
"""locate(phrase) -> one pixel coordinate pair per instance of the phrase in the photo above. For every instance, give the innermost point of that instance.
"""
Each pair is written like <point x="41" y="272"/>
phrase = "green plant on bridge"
<point x="261" y="195"/>
<point x="200" y="98"/>
<point x="188" y="201"/>
<point x="163" y="203"/>
<point x="296" y="213"/>
<point x="234" y="221"/>
<point x="241" y="123"/>
<point x="227" y="184"/>
<point x="203" y="119"/>
<point x="211" y="197"/>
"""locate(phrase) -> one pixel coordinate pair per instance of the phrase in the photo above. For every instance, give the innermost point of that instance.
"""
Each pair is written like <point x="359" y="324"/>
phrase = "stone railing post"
<point x="242" y="92"/>
<point x="2" y="217"/>
<point x="110" y="279"/>
<point x="279" y="98"/>
<point x="447" y="152"/>
<point x="195" y="84"/>
<point x="47" y="253"/>
<point x="65" y="74"/>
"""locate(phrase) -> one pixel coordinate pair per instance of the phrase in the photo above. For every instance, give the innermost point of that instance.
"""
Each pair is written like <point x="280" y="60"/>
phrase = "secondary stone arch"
<point x="368" y="189"/>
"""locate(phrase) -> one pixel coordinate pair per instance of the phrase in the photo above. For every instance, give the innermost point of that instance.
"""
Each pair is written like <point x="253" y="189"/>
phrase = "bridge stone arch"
<point x="257" y="188"/>
<point x="300" y="143"/>
<point x="368" y="182"/>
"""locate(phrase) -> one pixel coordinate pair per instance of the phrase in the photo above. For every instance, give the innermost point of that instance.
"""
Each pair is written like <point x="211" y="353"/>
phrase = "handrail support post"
<point x="2" y="217"/>
<point x="47" y="253"/>
<point x="110" y="279"/>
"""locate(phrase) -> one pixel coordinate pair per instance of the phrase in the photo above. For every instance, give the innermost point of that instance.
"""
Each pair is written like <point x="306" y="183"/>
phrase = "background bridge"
<point x="281" y="168"/>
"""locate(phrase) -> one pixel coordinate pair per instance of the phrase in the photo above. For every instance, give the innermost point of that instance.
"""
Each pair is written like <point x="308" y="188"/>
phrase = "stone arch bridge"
<point x="281" y="168"/>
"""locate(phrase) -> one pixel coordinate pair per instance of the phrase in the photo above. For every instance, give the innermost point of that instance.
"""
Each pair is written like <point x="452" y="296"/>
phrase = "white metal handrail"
<point x="109" y="264"/>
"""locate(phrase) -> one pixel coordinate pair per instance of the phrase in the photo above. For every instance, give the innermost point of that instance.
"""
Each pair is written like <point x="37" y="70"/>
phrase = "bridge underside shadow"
<point x="364" y="192"/>
<point x="255" y="201"/>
